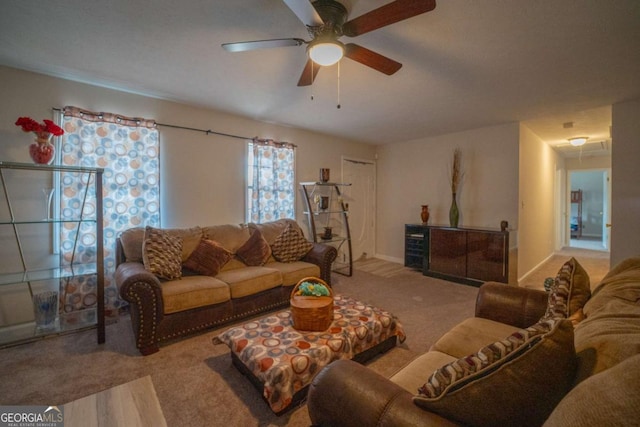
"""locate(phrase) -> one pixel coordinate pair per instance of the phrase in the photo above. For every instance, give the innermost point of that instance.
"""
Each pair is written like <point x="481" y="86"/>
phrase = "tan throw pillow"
<point x="208" y="258"/>
<point x="290" y="245"/>
<point x="516" y="381"/>
<point x="162" y="253"/>
<point x="255" y="251"/>
<point x="570" y="291"/>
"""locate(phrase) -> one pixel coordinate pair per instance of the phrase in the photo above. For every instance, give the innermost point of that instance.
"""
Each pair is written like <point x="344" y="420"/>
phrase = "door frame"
<point x="372" y="162"/>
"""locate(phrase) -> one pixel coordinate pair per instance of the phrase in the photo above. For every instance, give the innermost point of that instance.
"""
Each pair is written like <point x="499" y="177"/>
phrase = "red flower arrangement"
<point x="30" y="125"/>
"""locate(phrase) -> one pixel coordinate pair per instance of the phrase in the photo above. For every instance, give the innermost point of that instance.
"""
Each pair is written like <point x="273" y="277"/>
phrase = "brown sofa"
<point x="591" y="379"/>
<point x="166" y="309"/>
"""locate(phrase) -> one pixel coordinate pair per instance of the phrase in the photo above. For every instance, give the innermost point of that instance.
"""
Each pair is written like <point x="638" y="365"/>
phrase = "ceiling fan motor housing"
<point x="333" y="15"/>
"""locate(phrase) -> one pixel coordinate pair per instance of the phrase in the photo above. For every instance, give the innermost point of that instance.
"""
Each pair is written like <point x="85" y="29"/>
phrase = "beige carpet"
<point x="195" y="381"/>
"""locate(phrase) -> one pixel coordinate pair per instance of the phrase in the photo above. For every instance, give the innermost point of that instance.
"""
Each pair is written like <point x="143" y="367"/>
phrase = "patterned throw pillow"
<point x="162" y="253"/>
<point x="569" y="292"/>
<point x="290" y="245"/>
<point x="208" y="258"/>
<point x="255" y="251"/>
<point x="516" y="381"/>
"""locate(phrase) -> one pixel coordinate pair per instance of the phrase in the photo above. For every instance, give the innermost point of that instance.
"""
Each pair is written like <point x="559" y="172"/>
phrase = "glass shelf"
<point x="48" y="274"/>
<point x="325" y="183"/>
<point x="49" y="168"/>
<point x="65" y="323"/>
<point x="45" y="221"/>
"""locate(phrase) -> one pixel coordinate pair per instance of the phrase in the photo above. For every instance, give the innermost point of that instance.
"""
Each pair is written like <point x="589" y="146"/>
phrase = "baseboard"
<point x="389" y="258"/>
<point x="524" y="276"/>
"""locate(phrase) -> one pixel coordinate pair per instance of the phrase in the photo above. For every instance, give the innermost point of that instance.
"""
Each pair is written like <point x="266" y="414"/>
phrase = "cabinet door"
<point x="448" y="252"/>
<point x="487" y="256"/>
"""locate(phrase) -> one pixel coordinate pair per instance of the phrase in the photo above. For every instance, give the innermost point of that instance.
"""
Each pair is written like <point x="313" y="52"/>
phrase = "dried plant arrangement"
<point x="456" y="170"/>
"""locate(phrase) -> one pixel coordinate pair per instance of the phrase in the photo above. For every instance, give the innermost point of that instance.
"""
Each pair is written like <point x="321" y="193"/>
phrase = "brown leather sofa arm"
<point x="323" y="256"/>
<point x="347" y="394"/>
<point x="141" y="290"/>
<point x="513" y="305"/>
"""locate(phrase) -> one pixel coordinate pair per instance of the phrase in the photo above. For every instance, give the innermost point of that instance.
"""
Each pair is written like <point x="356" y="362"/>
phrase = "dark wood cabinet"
<point x="465" y="255"/>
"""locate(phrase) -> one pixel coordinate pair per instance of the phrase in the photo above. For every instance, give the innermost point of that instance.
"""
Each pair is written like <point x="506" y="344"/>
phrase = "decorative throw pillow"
<point x="290" y="245"/>
<point x="569" y="292"/>
<point x="255" y="251"/>
<point x="516" y="381"/>
<point x="162" y="253"/>
<point x="208" y="258"/>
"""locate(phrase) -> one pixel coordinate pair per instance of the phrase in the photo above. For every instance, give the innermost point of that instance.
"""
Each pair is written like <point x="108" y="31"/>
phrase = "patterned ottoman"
<point x="281" y="361"/>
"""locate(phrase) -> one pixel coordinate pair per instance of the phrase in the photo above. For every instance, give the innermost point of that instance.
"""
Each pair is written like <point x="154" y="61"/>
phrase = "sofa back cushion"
<point x="271" y="230"/>
<point x="229" y="236"/>
<point x="610" y="332"/>
<point x="516" y="381"/>
<point x="133" y="238"/>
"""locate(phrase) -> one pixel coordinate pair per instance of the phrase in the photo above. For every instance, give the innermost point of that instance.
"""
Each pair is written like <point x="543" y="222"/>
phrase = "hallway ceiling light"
<point x="578" y="141"/>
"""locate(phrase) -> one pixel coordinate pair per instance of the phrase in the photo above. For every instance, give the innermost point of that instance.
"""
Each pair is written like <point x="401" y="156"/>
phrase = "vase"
<point x="424" y="214"/>
<point x="45" y="308"/>
<point x="454" y="214"/>
<point x="42" y="151"/>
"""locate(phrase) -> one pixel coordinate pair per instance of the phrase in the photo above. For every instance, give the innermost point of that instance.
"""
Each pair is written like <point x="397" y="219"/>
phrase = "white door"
<point x="606" y="210"/>
<point x="360" y="196"/>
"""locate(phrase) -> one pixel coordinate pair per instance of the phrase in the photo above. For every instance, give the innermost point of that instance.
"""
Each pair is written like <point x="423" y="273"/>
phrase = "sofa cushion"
<point x="193" y="291"/>
<point x="161" y="253"/>
<point x="208" y="258"/>
<point x="610" y="398"/>
<point x="293" y="272"/>
<point x="516" y="381"/>
<point x="131" y="241"/>
<point x="271" y="230"/>
<point x="610" y="332"/>
<point x="250" y="280"/>
<point x="255" y="251"/>
<point x="230" y="236"/>
<point x="411" y="376"/>
<point x="570" y="291"/>
<point x="290" y="245"/>
<point x="470" y="335"/>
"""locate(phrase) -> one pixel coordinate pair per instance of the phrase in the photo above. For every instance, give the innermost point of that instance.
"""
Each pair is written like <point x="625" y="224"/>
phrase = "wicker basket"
<point x="311" y="313"/>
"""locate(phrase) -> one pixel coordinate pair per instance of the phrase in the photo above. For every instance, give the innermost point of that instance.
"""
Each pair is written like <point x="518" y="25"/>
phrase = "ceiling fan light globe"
<point x="576" y="142"/>
<point x="327" y="53"/>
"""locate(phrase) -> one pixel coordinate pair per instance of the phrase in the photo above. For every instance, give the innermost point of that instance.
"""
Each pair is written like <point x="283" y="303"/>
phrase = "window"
<point x="270" y="181"/>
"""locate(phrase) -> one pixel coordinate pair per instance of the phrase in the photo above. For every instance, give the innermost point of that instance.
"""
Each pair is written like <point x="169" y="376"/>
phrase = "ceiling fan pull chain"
<point x="338" y="106"/>
<point x="311" y="85"/>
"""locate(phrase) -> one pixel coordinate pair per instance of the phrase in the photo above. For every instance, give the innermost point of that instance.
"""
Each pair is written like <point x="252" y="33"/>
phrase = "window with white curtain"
<point x="128" y="151"/>
<point x="270" y="181"/>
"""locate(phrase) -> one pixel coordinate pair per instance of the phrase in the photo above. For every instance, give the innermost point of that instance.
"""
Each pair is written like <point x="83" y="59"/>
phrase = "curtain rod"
<point x="206" y="131"/>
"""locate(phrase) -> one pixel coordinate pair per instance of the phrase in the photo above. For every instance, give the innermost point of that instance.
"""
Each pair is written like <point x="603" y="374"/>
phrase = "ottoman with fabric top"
<point x="281" y="361"/>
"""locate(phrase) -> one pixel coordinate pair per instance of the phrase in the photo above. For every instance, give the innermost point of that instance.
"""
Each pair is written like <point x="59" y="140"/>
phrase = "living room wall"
<point x="417" y="172"/>
<point x="202" y="176"/>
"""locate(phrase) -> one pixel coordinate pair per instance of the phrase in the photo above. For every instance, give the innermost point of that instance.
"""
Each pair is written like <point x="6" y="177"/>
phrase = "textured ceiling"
<point x="466" y="64"/>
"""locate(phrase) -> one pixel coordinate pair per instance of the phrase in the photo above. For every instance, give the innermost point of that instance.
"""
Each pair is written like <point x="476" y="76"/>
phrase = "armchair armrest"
<point x="142" y="291"/>
<point x="513" y="305"/>
<point x="347" y="394"/>
<point x="323" y="256"/>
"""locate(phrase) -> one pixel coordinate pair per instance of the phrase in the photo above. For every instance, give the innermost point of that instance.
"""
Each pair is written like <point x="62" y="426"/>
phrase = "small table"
<point x="282" y="361"/>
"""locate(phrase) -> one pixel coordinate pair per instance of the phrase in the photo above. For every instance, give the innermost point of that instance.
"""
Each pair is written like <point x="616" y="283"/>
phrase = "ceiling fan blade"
<point x="309" y="73"/>
<point x="388" y="14"/>
<point x="305" y="12"/>
<point x="371" y="59"/>
<point x="261" y="44"/>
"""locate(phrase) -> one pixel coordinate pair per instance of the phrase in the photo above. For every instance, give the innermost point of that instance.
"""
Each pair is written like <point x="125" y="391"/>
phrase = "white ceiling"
<point x="466" y="64"/>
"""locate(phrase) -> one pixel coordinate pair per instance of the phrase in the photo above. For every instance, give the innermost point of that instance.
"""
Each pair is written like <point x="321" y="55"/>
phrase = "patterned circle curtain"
<point x="128" y="151"/>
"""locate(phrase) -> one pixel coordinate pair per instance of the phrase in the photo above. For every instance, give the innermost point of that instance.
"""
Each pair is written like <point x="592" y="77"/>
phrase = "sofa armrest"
<point x="141" y="289"/>
<point x="323" y="256"/>
<point x="347" y="394"/>
<point x="513" y="305"/>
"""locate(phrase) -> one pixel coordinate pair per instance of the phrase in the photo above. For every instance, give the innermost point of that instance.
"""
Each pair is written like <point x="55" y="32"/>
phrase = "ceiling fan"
<point x="326" y="22"/>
